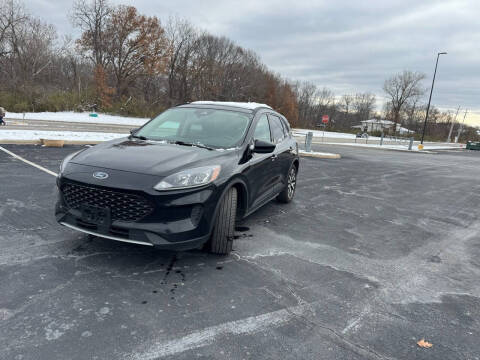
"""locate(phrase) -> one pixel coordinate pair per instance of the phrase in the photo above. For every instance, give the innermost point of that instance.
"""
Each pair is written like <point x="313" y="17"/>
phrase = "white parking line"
<point x="28" y="162"/>
<point x="207" y="336"/>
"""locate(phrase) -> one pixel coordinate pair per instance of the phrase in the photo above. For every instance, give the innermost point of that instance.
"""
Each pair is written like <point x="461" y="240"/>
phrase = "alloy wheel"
<point x="292" y="182"/>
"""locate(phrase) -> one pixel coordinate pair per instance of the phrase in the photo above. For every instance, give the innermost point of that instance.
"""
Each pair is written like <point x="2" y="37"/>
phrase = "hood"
<point x="148" y="157"/>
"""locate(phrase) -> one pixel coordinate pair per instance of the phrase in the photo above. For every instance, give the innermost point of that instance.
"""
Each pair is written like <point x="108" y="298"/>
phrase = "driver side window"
<point x="262" y="130"/>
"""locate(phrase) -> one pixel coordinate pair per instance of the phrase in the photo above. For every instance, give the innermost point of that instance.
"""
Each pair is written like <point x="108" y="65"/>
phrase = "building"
<point x="381" y="125"/>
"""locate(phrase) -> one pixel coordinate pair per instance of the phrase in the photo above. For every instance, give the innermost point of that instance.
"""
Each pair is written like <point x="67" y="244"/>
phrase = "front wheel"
<point x="287" y="194"/>
<point x="224" y="228"/>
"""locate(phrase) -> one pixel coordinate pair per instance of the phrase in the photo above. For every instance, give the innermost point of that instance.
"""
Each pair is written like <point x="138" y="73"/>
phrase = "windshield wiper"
<point x="139" y="137"/>
<point x="178" y="142"/>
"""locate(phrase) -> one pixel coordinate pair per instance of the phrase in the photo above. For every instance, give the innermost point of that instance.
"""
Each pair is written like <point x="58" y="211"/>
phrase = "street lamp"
<point x="430" y="99"/>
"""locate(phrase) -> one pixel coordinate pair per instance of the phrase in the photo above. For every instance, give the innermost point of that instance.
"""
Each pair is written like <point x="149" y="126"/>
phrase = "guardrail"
<point x="397" y="140"/>
<point x="408" y="142"/>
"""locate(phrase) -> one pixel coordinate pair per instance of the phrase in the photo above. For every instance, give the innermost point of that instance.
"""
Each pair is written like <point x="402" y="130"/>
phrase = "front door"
<point x="259" y="173"/>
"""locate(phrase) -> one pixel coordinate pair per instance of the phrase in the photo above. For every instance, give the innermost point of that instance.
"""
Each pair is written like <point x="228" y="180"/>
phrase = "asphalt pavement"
<point x="378" y="250"/>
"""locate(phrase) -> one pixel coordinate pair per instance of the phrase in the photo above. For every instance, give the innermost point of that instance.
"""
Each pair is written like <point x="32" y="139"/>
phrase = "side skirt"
<point x="252" y="210"/>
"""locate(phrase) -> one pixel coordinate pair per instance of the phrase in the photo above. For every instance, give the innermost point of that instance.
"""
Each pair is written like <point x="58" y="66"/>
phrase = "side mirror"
<point x="263" y="147"/>
<point x="133" y="131"/>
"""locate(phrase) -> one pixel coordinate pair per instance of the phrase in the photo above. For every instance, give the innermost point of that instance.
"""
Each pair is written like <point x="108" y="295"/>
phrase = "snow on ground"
<point x="84" y="117"/>
<point x="320" y="154"/>
<point x="328" y="134"/>
<point x="56" y="135"/>
<point x="427" y="147"/>
<point x="315" y="152"/>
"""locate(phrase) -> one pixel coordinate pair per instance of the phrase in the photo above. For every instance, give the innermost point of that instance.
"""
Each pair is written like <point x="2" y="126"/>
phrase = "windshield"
<point x="209" y="127"/>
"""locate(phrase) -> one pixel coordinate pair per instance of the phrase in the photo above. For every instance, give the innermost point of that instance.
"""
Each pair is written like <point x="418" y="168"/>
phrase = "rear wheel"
<point x="224" y="229"/>
<point x="287" y="194"/>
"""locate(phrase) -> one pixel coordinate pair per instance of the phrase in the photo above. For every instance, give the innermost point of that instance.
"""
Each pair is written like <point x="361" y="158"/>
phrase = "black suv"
<point x="181" y="180"/>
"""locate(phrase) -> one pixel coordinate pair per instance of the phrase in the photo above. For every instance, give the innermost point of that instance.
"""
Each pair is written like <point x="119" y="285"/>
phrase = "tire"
<point x="287" y="194"/>
<point x="224" y="229"/>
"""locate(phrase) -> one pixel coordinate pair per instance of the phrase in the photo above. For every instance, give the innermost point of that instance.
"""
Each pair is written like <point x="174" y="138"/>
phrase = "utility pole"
<point x="449" y="138"/>
<point x="460" y="129"/>
<point x="430" y="98"/>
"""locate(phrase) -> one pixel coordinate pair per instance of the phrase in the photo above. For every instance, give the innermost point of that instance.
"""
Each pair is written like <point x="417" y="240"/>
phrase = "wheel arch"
<point x="296" y="163"/>
<point x="242" y="197"/>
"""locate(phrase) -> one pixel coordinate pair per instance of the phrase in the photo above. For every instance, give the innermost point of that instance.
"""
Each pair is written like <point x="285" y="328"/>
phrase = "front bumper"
<point x="179" y="220"/>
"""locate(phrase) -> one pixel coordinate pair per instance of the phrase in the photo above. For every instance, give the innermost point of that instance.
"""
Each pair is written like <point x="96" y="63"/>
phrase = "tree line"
<point x="128" y="63"/>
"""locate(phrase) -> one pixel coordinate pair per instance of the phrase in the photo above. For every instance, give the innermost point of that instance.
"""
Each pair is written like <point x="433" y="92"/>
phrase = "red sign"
<point x="325" y="119"/>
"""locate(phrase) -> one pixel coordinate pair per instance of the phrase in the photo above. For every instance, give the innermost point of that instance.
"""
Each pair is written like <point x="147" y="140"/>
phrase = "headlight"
<point x="66" y="160"/>
<point x="189" y="178"/>
<point x="62" y="165"/>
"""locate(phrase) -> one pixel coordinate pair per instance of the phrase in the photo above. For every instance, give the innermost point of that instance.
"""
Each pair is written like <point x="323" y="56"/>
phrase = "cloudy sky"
<point x="347" y="45"/>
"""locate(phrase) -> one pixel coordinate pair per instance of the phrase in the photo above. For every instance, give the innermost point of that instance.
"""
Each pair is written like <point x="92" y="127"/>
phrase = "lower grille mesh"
<point x="123" y="206"/>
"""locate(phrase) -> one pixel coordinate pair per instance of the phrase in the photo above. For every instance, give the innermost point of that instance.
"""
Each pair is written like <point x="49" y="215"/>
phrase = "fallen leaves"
<point x="424" y="344"/>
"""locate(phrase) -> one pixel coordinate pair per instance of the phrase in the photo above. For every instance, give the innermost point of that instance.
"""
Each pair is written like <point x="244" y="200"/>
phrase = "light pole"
<point x="449" y="138"/>
<point x="460" y="129"/>
<point x="430" y="99"/>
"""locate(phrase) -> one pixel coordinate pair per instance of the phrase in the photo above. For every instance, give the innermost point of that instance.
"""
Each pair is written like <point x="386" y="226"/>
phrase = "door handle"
<point x="273" y="157"/>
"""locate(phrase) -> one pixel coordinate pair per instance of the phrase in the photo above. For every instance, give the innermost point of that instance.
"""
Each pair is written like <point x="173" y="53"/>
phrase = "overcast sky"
<point x="347" y="45"/>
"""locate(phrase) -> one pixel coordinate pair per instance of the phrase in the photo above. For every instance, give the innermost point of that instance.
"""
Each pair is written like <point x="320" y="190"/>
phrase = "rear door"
<point x="282" y="153"/>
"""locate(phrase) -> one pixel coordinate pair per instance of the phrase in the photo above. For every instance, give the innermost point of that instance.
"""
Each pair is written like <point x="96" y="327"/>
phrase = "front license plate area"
<point x="96" y="215"/>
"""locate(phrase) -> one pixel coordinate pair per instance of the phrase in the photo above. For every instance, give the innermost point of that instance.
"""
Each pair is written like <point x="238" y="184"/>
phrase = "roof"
<point x="243" y="105"/>
<point x="405" y="129"/>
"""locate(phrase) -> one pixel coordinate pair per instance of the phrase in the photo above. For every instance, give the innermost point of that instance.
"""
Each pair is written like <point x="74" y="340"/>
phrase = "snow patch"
<point x="328" y="134"/>
<point x="404" y="147"/>
<point x="5" y="314"/>
<point x="82" y="117"/>
<point x="57" y="135"/>
<point x="316" y="153"/>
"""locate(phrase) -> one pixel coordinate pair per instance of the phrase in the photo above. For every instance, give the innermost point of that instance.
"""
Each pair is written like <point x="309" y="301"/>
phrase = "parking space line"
<point x="209" y="335"/>
<point x="28" y="162"/>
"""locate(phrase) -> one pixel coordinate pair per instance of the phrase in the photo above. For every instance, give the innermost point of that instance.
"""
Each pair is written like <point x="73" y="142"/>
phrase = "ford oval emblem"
<point x="100" y="175"/>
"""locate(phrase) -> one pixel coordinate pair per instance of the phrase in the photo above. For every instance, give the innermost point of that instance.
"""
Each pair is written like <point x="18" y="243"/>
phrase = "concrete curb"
<point x="320" y="155"/>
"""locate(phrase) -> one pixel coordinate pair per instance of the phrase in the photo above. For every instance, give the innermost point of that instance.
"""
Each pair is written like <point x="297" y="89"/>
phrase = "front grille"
<point x="123" y="206"/>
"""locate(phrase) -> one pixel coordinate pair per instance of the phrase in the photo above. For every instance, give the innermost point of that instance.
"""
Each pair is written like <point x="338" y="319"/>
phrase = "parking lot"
<point x="378" y="250"/>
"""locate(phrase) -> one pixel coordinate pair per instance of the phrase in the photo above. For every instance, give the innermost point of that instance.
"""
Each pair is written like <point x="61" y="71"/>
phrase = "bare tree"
<point x="91" y="17"/>
<point x="182" y="38"/>
<point x="364" y="105"/>
<point x="324" y="98"/>
<point x="12" y="14"/>
<point x="31" y="48"/>
<point x="305" y="93"/>
<point x="324" y="104"/>
<point x="346" y="103"/>
<point x="135" y="45"/>
<point x="401" y="88"/>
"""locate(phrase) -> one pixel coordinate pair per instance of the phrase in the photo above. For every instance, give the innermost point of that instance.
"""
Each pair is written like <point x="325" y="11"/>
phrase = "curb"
<point x="320" y="155"/>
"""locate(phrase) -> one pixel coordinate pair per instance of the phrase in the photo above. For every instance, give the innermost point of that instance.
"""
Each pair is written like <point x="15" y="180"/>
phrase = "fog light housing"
<point x="196" y="215"/>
